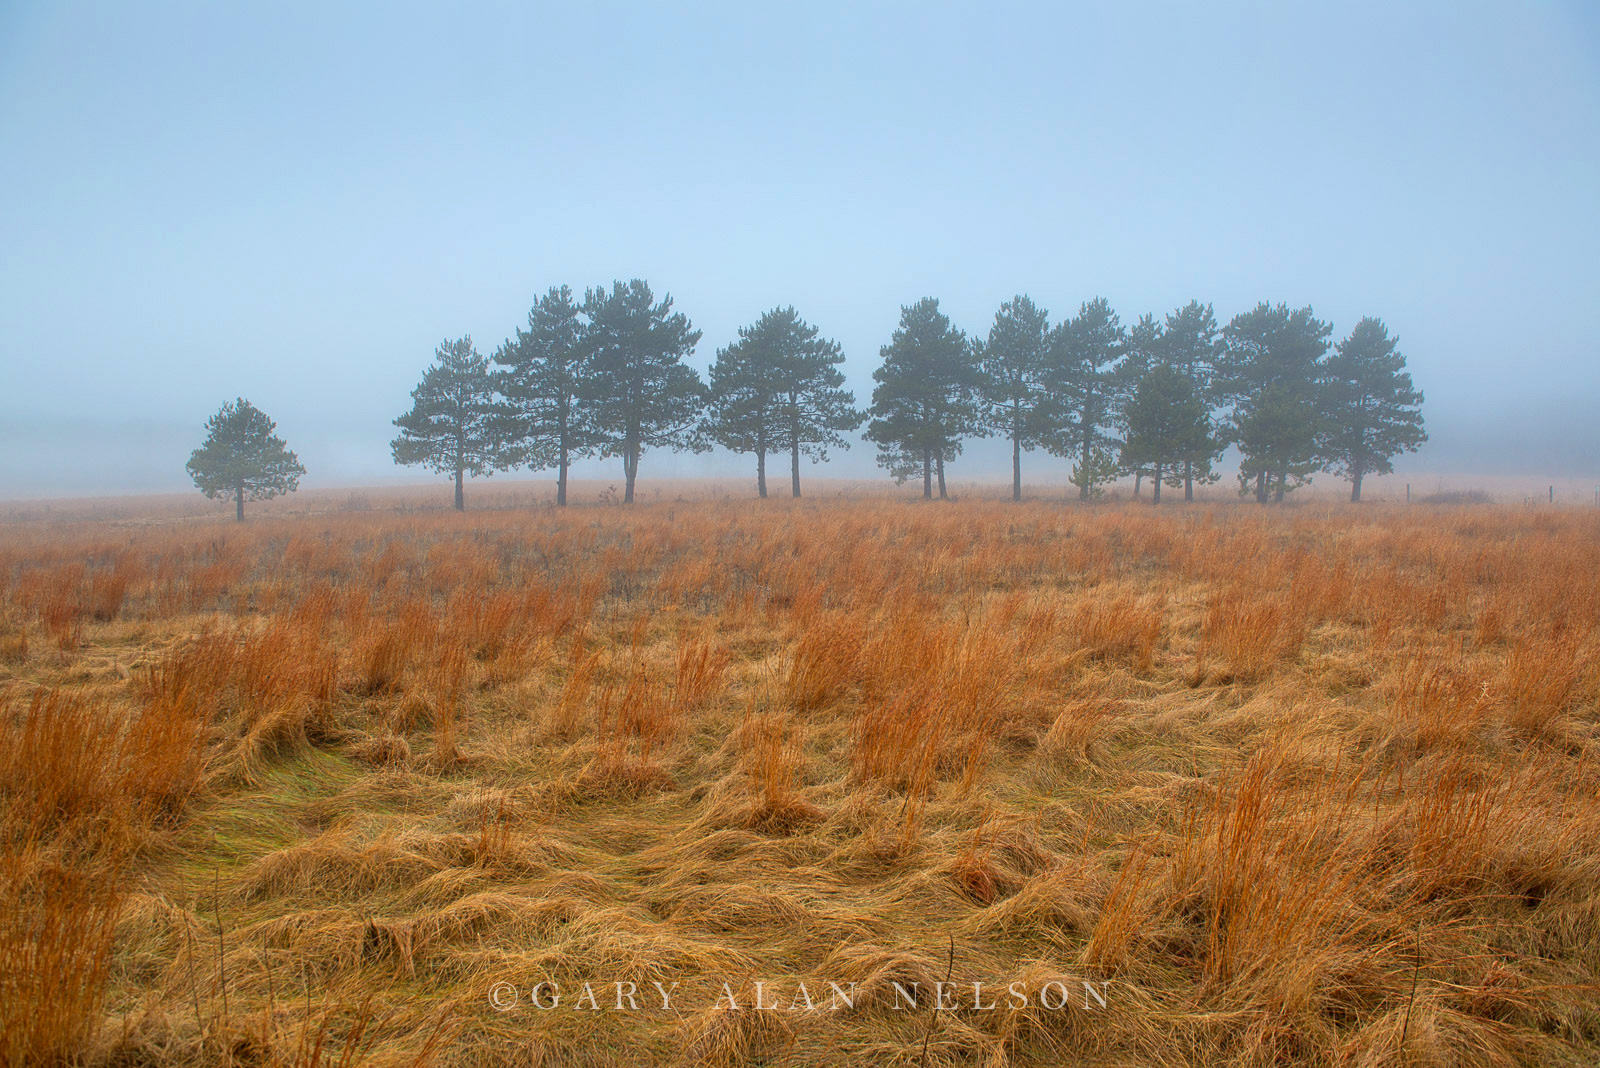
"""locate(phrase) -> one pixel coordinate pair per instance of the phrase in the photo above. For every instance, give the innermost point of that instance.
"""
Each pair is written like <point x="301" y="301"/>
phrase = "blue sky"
<point x="296" y="202"/>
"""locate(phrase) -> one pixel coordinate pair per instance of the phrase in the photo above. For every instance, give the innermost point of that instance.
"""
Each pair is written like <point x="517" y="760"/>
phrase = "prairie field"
<point x="1216" y="784"/>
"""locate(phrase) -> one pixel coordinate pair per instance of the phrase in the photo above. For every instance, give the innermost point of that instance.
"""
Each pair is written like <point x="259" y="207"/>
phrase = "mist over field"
<point x="295" y="203"/>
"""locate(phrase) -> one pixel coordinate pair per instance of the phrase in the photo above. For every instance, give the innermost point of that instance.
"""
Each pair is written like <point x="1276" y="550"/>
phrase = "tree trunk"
<point x="1138" y="478"/>
<point x="794" y="445"/>
<point x="562" y="460"/>
<point x="939" y="463"/>
<point x="630" y="471"/>
<point x="461" y="499"/>
<point x="927" y="474"/>
<point x="1261" y="486"/>
<point x="761" y="472"/>
<point x="1283" y="482"/>
<point x="1188" y="480"/>
<point x="1355" y="481"/>
<point x="1083" y="471"/>
<point x="1016" y="468"/>
<point x="238" y="502"/>
<point x="1155" y="486"/>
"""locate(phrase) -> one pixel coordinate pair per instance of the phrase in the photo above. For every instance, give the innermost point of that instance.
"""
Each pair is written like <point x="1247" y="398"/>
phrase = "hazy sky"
<point x="296" y="202"/>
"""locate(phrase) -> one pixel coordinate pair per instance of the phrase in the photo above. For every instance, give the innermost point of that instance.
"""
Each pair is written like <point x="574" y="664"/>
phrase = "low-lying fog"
<point x="296" y="203"/>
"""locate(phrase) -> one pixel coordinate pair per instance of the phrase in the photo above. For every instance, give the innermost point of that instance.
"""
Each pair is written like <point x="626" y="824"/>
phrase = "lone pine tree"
<point x="927" y="397"/>
<point x="243" y="458"/>
<point x="543" y="422"/>
<point x="639" y="392"/>
<point x="1012" y="361"/>
<point x="779" y="388"/>
<point x="454" y="419"/>
<point x="1371" y="411"/>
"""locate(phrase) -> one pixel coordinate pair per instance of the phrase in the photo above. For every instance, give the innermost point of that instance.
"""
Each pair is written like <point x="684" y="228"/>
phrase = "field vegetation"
<point x="1311" y="784"/>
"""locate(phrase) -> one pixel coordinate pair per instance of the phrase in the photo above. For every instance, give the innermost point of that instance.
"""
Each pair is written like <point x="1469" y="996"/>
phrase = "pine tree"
<point x="1140" y="352"/>
<point x="454" y="421"/>
<point x="1270" y="369"/>
<point x="927" y="396"/>
<point x="814" y="409"/>
<point x="1371" y="410"/>
<point x="640" y="393"/>
<point x="1189" y="342"/>
<point x="779" y="387"/>
<point x="542" y="422"/>
<point x="1080" y="375"/>
<point x="1012" y="361"/>
<point x="1167" y="424"/>
<point x="243" y="458"/>
<point x="742" y="399"/>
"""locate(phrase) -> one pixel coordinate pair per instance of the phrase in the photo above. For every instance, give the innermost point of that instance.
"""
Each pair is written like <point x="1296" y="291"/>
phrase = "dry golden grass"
<point x="1315" y="784"/>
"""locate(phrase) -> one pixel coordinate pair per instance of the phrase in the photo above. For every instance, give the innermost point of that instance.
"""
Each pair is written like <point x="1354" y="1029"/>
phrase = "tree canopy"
<point x="243" y="458"/>
<point x="778" y="387"/>
<point x="1370" y="410"/>
<point x="927" y="396"/>
<point x="1189" y="342"/>
<point x="1163" y="398"/>
<point x="454" y="422"/>
<point x="1012" y="364"/>
<point x="1081" y="377"/>
<point x="639" y="392"/>
<point x="542" y="382"/>
<point x="1167" y="423"/>
<point x="1270" y="371"/>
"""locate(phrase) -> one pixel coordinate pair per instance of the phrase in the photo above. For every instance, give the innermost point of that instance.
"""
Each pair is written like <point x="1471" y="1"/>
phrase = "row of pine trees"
<point x="1160" y="400"/>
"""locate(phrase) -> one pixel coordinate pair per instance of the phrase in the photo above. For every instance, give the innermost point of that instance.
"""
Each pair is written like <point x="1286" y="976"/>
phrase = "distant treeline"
<point x="1162" y="399"/>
